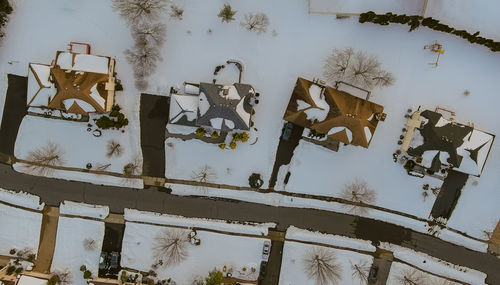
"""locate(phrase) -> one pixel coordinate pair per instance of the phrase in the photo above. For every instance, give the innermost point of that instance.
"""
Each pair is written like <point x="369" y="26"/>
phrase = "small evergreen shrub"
<point x="255" y="181"/>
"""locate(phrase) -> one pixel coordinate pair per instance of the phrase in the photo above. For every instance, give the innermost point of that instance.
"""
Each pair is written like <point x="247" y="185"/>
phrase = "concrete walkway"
<point x="48" y="235"/>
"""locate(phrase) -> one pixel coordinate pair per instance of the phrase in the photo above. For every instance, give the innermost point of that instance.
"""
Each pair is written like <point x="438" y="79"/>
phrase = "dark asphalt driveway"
<point x="13" y="112"/>
<point x="154" y="116"/>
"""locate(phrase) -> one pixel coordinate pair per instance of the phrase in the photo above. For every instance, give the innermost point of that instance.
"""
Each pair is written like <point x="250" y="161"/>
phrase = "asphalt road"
<point x="53" y="191"/>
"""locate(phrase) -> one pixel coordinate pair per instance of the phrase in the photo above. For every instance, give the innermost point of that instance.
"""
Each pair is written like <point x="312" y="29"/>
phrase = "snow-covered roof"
<point x="83" y="62"/>
<point x="447" y="143"/>
<point x="183" y="109"/>
<point x="338" y="114"/>
<point x="40" y="89"/>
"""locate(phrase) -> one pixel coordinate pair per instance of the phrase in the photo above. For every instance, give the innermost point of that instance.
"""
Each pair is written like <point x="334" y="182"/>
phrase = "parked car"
<point x="114" y="260"/>
<point x="287" y="131"/>
<point x="266" y="249"/>
<point x="103" y="262"/>
<point x="263" y="269"/>
<point x="372" y="275"/>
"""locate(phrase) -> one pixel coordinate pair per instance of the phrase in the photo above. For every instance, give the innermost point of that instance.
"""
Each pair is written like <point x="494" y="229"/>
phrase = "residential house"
<point x="74" y="83"/>
<point x="335" y="115"/>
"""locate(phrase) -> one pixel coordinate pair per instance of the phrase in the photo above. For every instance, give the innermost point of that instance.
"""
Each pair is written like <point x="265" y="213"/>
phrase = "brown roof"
<point x="346" y="110"/>
<point x="77" y="85"/>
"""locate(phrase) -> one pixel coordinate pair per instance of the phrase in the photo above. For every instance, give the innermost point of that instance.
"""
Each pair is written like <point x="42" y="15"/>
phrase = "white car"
<point x="266" y="250"/>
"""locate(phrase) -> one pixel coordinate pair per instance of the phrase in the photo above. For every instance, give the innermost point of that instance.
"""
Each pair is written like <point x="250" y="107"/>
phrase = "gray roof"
<point x="224" y="108"/>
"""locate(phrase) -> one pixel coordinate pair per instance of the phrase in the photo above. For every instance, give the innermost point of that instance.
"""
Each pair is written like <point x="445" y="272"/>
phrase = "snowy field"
<point x="20" y="230"/>
<point x="413" y="7"/>
<point x="78" y="145"/>
<point x="21" y="199"/>
<point x="71" y="252"/>
<point x="240" y="254"/>
<point x="84" y="210"/>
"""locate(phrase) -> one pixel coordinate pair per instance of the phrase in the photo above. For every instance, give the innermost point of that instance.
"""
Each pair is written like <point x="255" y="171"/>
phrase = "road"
<point x="53" y="191"/>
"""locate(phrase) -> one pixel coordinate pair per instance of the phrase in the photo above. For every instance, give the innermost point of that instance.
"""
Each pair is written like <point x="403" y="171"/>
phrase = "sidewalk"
<point x="47" y="244"/>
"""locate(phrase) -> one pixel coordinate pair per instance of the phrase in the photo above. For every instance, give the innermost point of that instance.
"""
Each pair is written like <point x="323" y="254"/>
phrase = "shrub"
<point x="232" y="145"/>
<point x="222" y="146"/>
<point x="10" y="270"/>
<point x="200" y="132"/>
<point x="214" y="135"/>
<point x="12" y="251"/>
<point x="244" y="137"/>
<point x="214" y="278"/>
<point x="116" y="119"/>
<point x="31" y="257"/>
<point x="255" y="180"/>
<point x="83" y="268"/>
<point x="53" y="280"/>
<point x="87" y="274"/>
<point x="118" y="85"/>
<point x="5" y="10"/>
<point x="19" y="270"/>
<point x="226" y="13"/>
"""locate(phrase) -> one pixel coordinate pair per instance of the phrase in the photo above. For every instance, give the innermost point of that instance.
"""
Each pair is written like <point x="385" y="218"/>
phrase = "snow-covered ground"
<point x="431" y="264"/>
<point x="21" y="199"/>
<point x="414" y="7"/>
<point x="294" y="253"/>
<point x="29" y="26"/>
<point x="467" y="15"/>
<point x="20" y="228"/>
<point x="84" y="210"/>
<point x="72" y="249"/>
<point x="242" y="254"/>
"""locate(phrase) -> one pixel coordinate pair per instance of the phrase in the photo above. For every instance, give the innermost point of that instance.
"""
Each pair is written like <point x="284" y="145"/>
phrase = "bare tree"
<point x="337" y="63"/>
<point x="256" y="22"/>
<point x="412" y="277"/>
<point x="141" y="83"/>
<point x="89" y="244"/>
<point x="133" y="168"/>
<point x="170" y="246"/>
<point x="143" y="59"/>
<point x="321" y="265"/>
<point x="198" y="280"/>
<point x="204" y="174"/>
<point x="360" y="272"/>
<point x="135" y="11"/>
<point x="149" y="34"/>
<point x="176" y="12"/>
<point x="114" y="149"/>
<point x="356" y="68"/>
<point x="43" y="158"/>
<point x="64" y="275"/>
<point x="226" y="14"/>
<point x="358" y="192"/>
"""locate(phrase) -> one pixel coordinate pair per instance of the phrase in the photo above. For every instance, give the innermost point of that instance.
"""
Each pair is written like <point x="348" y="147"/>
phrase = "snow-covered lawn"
<point x="70" y="252"/>
<point x="430" y="264"/>
<point x="295" y="253"/>
<point x="32" y="24"/>
<point x="414" y="7"/>
<point x="240" y="253"/>
<point x="20" y="230"/>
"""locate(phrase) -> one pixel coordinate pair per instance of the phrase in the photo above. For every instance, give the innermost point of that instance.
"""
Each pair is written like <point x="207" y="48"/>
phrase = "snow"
<point x="29" y="280"/>
<point x="203" y="104"/>
<point x="292" y="265"/>
<point x="467" y="15"/>
<point x="368" y="134"/>
<point x="21" y="199"/>
<point x="320" y="111"/>
<point x="191" y="89"/>
<point x="65" y="60"/>
<point x="70" y="254"/>
<point x="413" y="7"/>
<point x="164" y="219"/>
<point x="216" y="250"/>
<point x="20" y="230"/>
<point x="434" y="265"/>
<point x="242" y="113"/>
<point x="84" y="210"/>
<point x="183" y="105"/>
<point x="97" y="97"/>
<point x="232" y="93"/>
<point x="293" y="233"/>
<point x="472" y="141"/>
<point x="43" y="73"/>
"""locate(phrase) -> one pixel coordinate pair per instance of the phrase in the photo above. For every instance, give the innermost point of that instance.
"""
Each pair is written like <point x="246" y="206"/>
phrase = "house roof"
<point x="225" y="107"/>
<point x="338" y="114"/>
<point x="75" y="83"/>
<point x="447" y="143"/>
<point x="183" y="109"/>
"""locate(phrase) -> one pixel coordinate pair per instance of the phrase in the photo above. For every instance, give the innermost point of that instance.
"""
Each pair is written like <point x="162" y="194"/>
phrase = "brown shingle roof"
<point x="346" y="111"/>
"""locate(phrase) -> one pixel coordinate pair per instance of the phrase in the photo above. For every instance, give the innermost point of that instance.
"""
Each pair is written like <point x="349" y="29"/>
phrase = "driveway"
<point x="13" y="112"/>
<point x="449" y="194"/>
<point x="154" y="116"/>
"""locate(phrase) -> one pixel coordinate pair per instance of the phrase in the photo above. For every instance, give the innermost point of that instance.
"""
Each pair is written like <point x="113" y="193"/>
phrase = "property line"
<point x="428" y="272"/>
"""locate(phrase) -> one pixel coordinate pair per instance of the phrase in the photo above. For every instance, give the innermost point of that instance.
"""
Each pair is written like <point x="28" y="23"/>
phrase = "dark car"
<point x="263" y="269"/>
<point x="372" y="275"/>
<point x="103" y="261"/>
<point x="114" y="260"/>
<point x="287" y="131"/>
